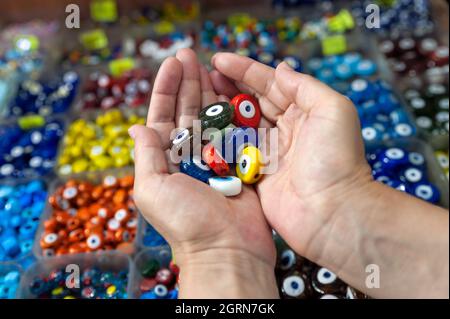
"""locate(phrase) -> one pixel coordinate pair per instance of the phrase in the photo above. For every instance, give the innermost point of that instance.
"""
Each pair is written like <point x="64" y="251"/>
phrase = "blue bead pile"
<point x="9" y="282"/>
<point x="20" y="209"/>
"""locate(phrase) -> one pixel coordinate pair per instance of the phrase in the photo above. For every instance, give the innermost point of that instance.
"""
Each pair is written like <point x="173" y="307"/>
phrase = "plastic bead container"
<point x="111" y="261"/>
<point x="129" y="246"/>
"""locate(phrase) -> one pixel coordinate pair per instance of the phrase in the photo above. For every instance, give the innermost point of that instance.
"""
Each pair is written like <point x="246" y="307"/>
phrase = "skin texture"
<point x="321" y="200"/>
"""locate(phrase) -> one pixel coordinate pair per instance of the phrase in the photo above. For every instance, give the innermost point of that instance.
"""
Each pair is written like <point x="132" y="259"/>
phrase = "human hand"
<point x="210" y="235"/>
<point x="321" y="162"/>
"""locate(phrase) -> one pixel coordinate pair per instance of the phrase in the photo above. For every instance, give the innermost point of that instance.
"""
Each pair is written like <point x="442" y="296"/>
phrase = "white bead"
<point x="227" y="185"/>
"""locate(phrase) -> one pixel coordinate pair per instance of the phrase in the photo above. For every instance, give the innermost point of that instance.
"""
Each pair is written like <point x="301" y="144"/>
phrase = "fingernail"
<point x="213" y="60"/>
<point x="132" y="132"/>
<point x="286" y="66"/>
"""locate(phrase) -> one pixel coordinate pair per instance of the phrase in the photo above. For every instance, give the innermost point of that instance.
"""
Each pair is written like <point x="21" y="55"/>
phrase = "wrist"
<point x="225" y="273"/>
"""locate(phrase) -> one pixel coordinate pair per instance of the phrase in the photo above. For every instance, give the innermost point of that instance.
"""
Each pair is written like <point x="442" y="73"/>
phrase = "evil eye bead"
<point x="427" y="192"/>
<point x="416" y="159"/>
<point x="403" y="130"/>
<point x="182" y="144"/>
<point x="343" y="72"/>
<point x="294" y="286"/>
<point x="371" y="134"/>
<point x="249" y="165"/>
<point x="196" y="168"/>
<point x="352" y="59"/>
<point x="442" y="158"/>
<point x="412" y="175"/>
<point x="365" y="68"/>
<point x="393" y="157"/>
<point x="288" y="260"/>
<point x="326" y="282"/>
<point x="226" y="185"/>
<point x="212" y="157"/>
<point x="217" y="115"/>
<point x="314" y="65"/>
<point x="246" y="111"/>
<point x="160" y="291"/>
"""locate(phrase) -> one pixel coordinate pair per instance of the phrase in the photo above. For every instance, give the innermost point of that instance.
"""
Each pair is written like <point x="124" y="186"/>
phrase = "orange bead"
<point x="73" y="223"/>
<point x="109" y="193"/>
<point x="122" y="215"/>
<point x="62" y="217"/>
<point x="97" y="192"/>
<point x="71" y="183"/>
<point x="49" y="240"/>
<point x="76" y="235"/>
<point x="83" y="214"/>
<point x="120" y="197"/>
<point x="63" y="250"/>
<point x="92" y="229"/>
<point x="109" y="237"/>
<point x="122" y="235"/>
<point x="50" y="225"/>
<point x="53" y="200"/>
<point x="85" y="187"/>
<point x="94" y="241"/>
<point x="127" y="181"/>
<point x="77" y="248"/>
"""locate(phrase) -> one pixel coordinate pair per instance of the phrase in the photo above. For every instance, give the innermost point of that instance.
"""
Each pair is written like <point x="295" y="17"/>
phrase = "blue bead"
<point x="343" y="72"/>
<point x="196" y="168"/>
<point x="427" y="192"/>
<point x="371" y="134"/>
<point x="392" y="158"/>
<point x="365" y="68"/>
<point x="11" y="246"/>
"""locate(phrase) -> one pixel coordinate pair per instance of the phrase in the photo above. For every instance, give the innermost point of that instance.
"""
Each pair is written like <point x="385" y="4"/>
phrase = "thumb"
<point x="149" y="157"/>
<point x="306" y="91"/>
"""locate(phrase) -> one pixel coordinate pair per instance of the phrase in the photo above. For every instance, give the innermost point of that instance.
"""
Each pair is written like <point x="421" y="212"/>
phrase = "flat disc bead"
<point x="217" y="115"/>
<point x="214" y="159"/>
<point x="226" y="185"/>
<point x="247" y="111"/>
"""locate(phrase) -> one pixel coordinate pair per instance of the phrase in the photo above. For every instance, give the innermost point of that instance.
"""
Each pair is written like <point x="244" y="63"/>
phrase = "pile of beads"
<point x="244" y="31"/>
<point x="233" y="140"/>
<point x="104" y="91"/>
<point x="45" y="98"/>
<point x="88" y="217"/>
<point x="382" y="115"/>
<point x="397" y="16"/>
<point x="23" y="58"/>
<point x="9" y="282"/>
<point x="299" y="278"/>
<point x="29" y="147"/>
<point x="99" y="144"/>
<point x="159" y="282"/>
<point x="151" y="237"/>
<point x="413" y="56"/>
<point x="404" y="171"/>
<point x="328" y="24"/>
<point x="165" y="46"/>
<point x="431" y="108"/>
<point x="94" y="284"/>
<point x="340" y="68"/>
<point x="442" y="157"/>
<point x="21" y="207"/>
<point x="273" y="60"/>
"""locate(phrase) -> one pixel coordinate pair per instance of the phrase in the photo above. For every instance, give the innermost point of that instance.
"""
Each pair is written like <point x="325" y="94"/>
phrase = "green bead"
<point x="217" y="115"/>
<point x="151" y="268"/>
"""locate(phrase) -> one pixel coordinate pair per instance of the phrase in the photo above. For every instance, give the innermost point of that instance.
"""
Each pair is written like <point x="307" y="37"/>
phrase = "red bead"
<point x="165" y="277"/>
<point x="246" y="111"/>
<point x="214" y="160"/>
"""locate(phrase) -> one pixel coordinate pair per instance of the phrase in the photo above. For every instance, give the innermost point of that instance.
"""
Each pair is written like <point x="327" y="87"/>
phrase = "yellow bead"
<point x="132" y="119"/>
<point x="80" y="165"/>
<point x="78" y="126"/>
<point x="122" y="160"/>
<point x="65" y="169"/>
<point x="111" y="290"/>
<point x="103" y="162"/>
<point x="69" y="297"/>
<point x="63" y="159"/>
<point x="75" y="151"/>
<point x="249" y="165"/>
<point x="89" y="131"/>
<point x="141" y="121"/>
<point x="96" y="150"/>
<point x="57" y="291"/>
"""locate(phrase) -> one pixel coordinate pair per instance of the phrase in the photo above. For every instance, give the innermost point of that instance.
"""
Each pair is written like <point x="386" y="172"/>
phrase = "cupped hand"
<point x="201" y="225"/>
<point x="320" y="155"/>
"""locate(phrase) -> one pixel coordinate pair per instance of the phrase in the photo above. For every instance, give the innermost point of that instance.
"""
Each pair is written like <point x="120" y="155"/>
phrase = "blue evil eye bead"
<point x="416" y="159"/>
<point x="332" y="60"/>
<point x="427" y="192"/>
<point x="371" y="134"/>
<point x="226" y="185"/>
<point x="393" y="157"/>
<point x="10" y="246"/>
<point x="294" y="62"/>
<point x="370" y="107"/>
<point x="365" y="68"/>
<point x="343" y="72"/>
<point x="236" y="140"/>
<point x="326" y="75"/>
<point x="360" y="91"/>
<point x="412" y="175"/>
<point x="388" y="102"/>
<point x="196" y="168"/>
<point x="295" y="286"/>
<point x="314" y="65"/>
<point x="9" y="283"/>
<point x="160" y="291"/>
<point x="403" y="130"/>
<point x="217" y="115"/>
<point x="351" y="59"/>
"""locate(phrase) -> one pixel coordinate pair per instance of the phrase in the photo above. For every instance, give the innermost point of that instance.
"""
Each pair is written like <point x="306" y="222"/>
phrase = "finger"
<point x="222" y="85"/>
<point x="308" y="92"/>
<point x="223" y="98"/>
<point x="161" y="113"/>
<point x="189" y="96"/>
<point x="256" y="76"/>
<point x="207" y="89"/>
<point x="149" y="157"/>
